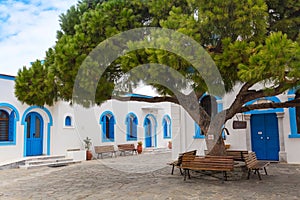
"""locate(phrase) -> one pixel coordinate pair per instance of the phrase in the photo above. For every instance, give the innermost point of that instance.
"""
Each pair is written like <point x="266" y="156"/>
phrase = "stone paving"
<point x="144" y="176"/>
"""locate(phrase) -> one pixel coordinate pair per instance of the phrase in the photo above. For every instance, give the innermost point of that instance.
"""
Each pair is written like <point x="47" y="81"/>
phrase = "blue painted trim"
<point x="198" y="132"/>
<point x="107" y="112"/>
<point x="7" y="77"/>
<point x="50" y="123"/>
<point x="292" y="113"/>
<point x="169" y="126"/>
<point x="271" y="110"/>
<point x="139" y="95"/>
<point x="135" y="116"/>
<point x="220" y="107"/>
<point x="128" y="138"/>
<point x="294" y="136"/>
<point x="155" y="126"/>
<point x="293" y="90"/>
<point x="17" y="118"/>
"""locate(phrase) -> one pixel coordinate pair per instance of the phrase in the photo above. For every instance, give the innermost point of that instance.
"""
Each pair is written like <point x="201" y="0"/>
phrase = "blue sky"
<point x="27" y="29"/>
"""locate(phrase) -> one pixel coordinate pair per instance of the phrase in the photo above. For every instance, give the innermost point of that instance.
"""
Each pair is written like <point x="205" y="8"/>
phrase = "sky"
<point x="27" y="29"/>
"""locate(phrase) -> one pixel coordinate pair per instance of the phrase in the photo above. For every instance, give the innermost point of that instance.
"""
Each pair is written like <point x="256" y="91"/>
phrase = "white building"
<point x="31" y="130"/>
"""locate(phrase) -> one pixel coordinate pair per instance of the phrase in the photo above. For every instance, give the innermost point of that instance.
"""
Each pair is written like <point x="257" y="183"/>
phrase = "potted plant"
<point x="87" y="145"/>
<point x="170" y="144"/>
<point x="139" y="147"/>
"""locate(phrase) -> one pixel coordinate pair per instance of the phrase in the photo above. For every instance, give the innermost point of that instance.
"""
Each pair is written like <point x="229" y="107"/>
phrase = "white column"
<point x="282" y="153"/>
<point x="248" y="132"/>
<point x="176" y="131"/>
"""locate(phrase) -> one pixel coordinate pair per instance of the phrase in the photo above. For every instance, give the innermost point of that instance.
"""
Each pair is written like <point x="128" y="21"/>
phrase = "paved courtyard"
<point x="144" y="176"/>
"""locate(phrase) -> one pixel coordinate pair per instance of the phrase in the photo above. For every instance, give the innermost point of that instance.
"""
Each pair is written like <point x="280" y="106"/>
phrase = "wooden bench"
<point x="254" y="165"/>
<point x="207" y="163"/>
<point x="123" y="148"/>
<point x="238" y="155"/>
<point x="177" y="163"/>
<point x="105" y="149"/>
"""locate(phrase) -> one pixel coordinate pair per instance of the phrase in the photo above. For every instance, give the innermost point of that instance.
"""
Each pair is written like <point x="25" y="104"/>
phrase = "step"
<point x="50" y="160"/>
<point x="49" y="164"/>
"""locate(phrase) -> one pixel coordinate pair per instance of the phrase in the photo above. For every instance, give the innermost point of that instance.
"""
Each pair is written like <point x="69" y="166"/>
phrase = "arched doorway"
<point x="34" y="134"/>
<point x="150" y="131"/>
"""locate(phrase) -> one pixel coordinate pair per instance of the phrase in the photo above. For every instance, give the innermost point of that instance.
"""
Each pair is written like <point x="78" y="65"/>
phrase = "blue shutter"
<point x="103" y="127"/>
<point x="11" y="126"/>
<point x="134" y="128"/>
<point x="165" y="128"/>
<point x="128" y="127"/>
<point x="111" y="128"/>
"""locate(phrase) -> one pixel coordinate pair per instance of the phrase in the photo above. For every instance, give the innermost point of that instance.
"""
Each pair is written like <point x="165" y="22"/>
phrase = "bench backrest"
<point x="220" y="163"/>
<point x="126" y="146"/>
<point x="193" y="152"/>
<point x="251" y="160"/>
<point x="237" y="154"/>
<point x="103" y="149"/>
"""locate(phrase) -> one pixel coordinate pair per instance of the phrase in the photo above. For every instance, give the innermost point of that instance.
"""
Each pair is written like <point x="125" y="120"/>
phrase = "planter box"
<point x="76" y="154"/>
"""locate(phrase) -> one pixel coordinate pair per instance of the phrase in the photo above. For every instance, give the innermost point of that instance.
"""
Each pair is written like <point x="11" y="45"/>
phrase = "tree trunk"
<point x="214" y="141"/>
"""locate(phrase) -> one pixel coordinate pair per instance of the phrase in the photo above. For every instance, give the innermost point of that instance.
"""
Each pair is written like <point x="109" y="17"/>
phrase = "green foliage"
<point x="242" y="37"/>
<point x="35" y="85"/>
<point x="278" y="62"/>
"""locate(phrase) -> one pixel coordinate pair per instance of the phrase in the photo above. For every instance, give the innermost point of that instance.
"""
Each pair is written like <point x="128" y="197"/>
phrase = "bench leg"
<point x="185" y="171"/>
<point x="173" y="166"/>
<point x="249" y="171"/>
<point x="257" y="170"/>
<point x="189" y="174"/>
<point x="225" y="175"/>
<point x="265" y="170"/>
<point x="181" y="171"/>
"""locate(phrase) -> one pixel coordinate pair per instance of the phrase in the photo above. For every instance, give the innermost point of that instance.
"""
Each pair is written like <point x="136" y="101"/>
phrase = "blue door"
<point x="148" y="132"/>
<point x="265" y="136"/>
<point x="34" y="141"/>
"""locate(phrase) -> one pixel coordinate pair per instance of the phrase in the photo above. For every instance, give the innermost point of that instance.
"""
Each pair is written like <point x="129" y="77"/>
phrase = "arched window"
<point x="210" y="105"/>
<point x="107" y="121"/>
<point x="68" y="121"/>
<point x="166" y="125"/>
<point x="131" y="122"/>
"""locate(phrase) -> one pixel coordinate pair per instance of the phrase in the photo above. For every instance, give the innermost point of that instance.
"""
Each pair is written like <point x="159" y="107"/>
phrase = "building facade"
<point x="274" y="134"/>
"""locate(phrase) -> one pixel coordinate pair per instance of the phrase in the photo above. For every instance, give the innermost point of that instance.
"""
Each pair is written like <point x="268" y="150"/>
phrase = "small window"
<point x="68" y="121"/>
<point x="107" y="121"/>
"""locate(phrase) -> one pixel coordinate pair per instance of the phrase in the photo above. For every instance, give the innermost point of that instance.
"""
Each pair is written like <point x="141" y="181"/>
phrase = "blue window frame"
<point x="166" y="125"/>
<point x="198" y="133"/>
<point x="68" y="121"/>
<point x="107" y="120"/>
<point x="294" y="114"/>
<point x="131" y="123"/>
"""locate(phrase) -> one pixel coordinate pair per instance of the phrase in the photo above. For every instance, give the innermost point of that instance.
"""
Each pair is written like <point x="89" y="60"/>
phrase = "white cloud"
<point x="27" y="30"/>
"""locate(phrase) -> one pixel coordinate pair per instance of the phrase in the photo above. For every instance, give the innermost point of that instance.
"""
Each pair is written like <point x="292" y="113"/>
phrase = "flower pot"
<point x="139" y="149"/>
<point x="89" y="155"/>
<point x="170" y="145"/>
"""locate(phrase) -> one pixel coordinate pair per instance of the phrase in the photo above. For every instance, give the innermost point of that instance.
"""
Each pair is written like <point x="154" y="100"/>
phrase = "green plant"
<point x="87" y="143"/>
<point x="140" y="143"/>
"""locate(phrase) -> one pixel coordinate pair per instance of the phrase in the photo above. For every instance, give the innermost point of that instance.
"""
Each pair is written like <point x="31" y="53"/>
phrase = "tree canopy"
<point x="251" y="41"/>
